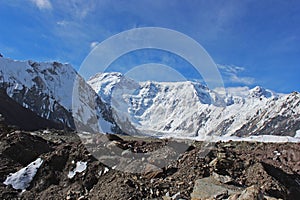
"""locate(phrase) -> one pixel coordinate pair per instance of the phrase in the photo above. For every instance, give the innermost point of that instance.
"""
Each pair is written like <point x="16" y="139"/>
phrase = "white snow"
<point x="80" y="167"/>
<point x="297" y="134"/>
<point x="104" y="84"/>
<point x="170" y="109"/>
<point x="101" y="173"/>
<point x="259" y="138"/>
<point x="22" y="178"/>
<point x="277" y="153"/>
<point x="55" y="80"/>
<point x="188" y="109"/>
<point x="21" y="73"/>
<point x="105" y="170"/>
<point x="46" y="131"/>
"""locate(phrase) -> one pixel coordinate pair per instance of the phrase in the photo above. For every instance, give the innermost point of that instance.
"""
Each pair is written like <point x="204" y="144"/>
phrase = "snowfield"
<point x="259" y="138"/>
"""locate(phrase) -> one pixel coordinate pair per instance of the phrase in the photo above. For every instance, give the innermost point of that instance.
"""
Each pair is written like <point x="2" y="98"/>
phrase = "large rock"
<point x="207" y="188"/>
<point x="251" y="193"/>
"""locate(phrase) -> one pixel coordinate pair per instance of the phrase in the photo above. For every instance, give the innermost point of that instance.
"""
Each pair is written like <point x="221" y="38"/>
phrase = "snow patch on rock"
<point x="297" y="134"/>
<point x="80" y="167"/>
<point x="21" y="179"/>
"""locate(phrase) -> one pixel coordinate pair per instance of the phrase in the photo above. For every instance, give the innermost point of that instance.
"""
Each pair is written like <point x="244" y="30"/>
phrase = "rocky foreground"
<point x="231" y="170"/>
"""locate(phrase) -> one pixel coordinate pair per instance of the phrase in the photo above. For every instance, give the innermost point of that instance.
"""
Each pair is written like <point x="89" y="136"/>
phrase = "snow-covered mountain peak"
<point x="47" y="88"/>
<point x="106" y="76"/>
<point x="190" y="108"/>
<point x="105" y="83"/>
<point x="114" y="101"/>
<point x="262" y="92"/>
<point x="55" y="78"/>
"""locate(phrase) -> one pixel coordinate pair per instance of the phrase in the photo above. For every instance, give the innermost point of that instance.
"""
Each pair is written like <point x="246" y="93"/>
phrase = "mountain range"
<point x="113" y="103"/>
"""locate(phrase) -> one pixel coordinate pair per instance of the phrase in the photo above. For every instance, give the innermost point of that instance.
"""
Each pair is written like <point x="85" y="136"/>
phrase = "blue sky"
<point x="255" y="42"/>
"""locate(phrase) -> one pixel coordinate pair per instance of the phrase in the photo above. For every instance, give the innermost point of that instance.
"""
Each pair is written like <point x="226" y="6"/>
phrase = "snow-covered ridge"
<point x="47" y="89"/>
<point x="44" y="88"/>
<point x="104" y="84"/>
<point x="191" y="109"/>
<point x="110" y="101"/>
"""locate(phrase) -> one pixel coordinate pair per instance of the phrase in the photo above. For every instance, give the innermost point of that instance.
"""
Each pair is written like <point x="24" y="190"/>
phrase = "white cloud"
<point x="77" y="9"/>
<point x="231" y="68"/>
<point x="230" y="73"/>
<point x="62" y="23"/>
<point x="236" y="91"/>
<point x="93" y="44"/>
<point x="245" y="80"/>
<point x="42" y="4"/>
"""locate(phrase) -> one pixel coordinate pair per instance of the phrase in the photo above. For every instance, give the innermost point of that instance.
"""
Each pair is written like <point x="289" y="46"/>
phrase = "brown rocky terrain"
<point x="231" y="170"/>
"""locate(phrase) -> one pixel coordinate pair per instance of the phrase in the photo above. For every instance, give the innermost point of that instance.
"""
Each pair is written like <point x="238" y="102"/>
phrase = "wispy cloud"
<point x="42" y="4"/>
<point x="77" y="9"/>
<point x="93" y="44"/>
<point x="62" y="23"/>
<point x="230" y="74"/>
<point x="243" y="80"/>
<point x="236" y="91"/>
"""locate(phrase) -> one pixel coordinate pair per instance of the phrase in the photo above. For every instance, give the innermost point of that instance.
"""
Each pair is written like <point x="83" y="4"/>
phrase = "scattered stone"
<point x="166" y="175"/>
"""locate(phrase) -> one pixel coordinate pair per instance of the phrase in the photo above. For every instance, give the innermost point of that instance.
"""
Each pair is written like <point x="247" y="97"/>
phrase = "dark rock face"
<point x="38" y="94"/>
<point x="14" y="114"/>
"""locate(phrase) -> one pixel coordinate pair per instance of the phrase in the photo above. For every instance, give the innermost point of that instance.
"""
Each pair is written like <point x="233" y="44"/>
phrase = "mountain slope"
<point x="191" y="109"/>
<point x="110" y="102"/>
<point x="14" y="114"/>
<point x="48" y="88"/>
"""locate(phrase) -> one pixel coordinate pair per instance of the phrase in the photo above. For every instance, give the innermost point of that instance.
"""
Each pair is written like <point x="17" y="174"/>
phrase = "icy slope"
<point x="47" y="89"/>
<point x="191" y="109"/>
